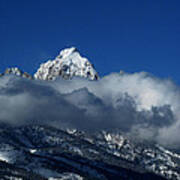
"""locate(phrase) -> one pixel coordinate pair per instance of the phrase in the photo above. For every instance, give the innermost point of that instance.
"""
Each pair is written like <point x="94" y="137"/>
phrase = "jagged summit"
<point x="67" y="64"/>
<point x="16" y="71"/>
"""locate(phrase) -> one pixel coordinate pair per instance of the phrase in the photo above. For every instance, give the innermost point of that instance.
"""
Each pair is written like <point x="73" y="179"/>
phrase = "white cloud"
<point x="134" y="103"/>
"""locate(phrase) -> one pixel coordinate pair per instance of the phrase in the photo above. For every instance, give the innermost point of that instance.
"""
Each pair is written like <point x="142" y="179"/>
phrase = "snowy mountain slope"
<point x="67" y="64"/>
<point x="11" y="172"/>
<point x="51" y="152"/>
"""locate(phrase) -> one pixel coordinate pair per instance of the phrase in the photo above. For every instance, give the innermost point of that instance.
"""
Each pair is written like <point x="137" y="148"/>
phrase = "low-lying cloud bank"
<point x="137" y="104"/>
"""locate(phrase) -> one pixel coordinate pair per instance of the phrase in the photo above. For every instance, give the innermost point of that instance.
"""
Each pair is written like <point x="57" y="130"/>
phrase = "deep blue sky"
<point x="132" y="35"/>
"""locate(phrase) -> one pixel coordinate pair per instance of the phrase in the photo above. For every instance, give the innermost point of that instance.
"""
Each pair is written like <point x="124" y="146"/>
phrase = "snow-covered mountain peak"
<point x="67" y="64"/>
<point x="67" y="52"/>
<point x="16" y="71"/>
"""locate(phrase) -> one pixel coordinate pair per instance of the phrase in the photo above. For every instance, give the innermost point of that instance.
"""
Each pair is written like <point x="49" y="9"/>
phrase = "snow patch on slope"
<point x="3" y="157"/>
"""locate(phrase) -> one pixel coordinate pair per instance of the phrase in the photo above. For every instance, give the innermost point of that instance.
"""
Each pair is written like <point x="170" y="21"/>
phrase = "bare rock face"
<point x="67" y="64"/>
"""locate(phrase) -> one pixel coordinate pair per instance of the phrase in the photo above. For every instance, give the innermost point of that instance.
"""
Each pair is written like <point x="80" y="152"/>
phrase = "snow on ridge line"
<point x="16" y="71"/>
<point x="67" y="64"/>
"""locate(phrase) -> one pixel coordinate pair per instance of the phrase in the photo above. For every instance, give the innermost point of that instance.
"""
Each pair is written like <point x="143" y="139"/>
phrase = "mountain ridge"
<point x="68" y="64"/>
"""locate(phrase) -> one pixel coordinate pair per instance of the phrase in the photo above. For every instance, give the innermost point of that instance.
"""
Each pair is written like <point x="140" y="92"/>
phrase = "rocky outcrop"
<point x="17" y="72"/>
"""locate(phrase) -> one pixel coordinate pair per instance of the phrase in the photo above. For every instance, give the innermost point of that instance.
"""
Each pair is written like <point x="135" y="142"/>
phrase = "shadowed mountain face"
<point x="48" y="152"/>
<point x="75" y="128"/>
